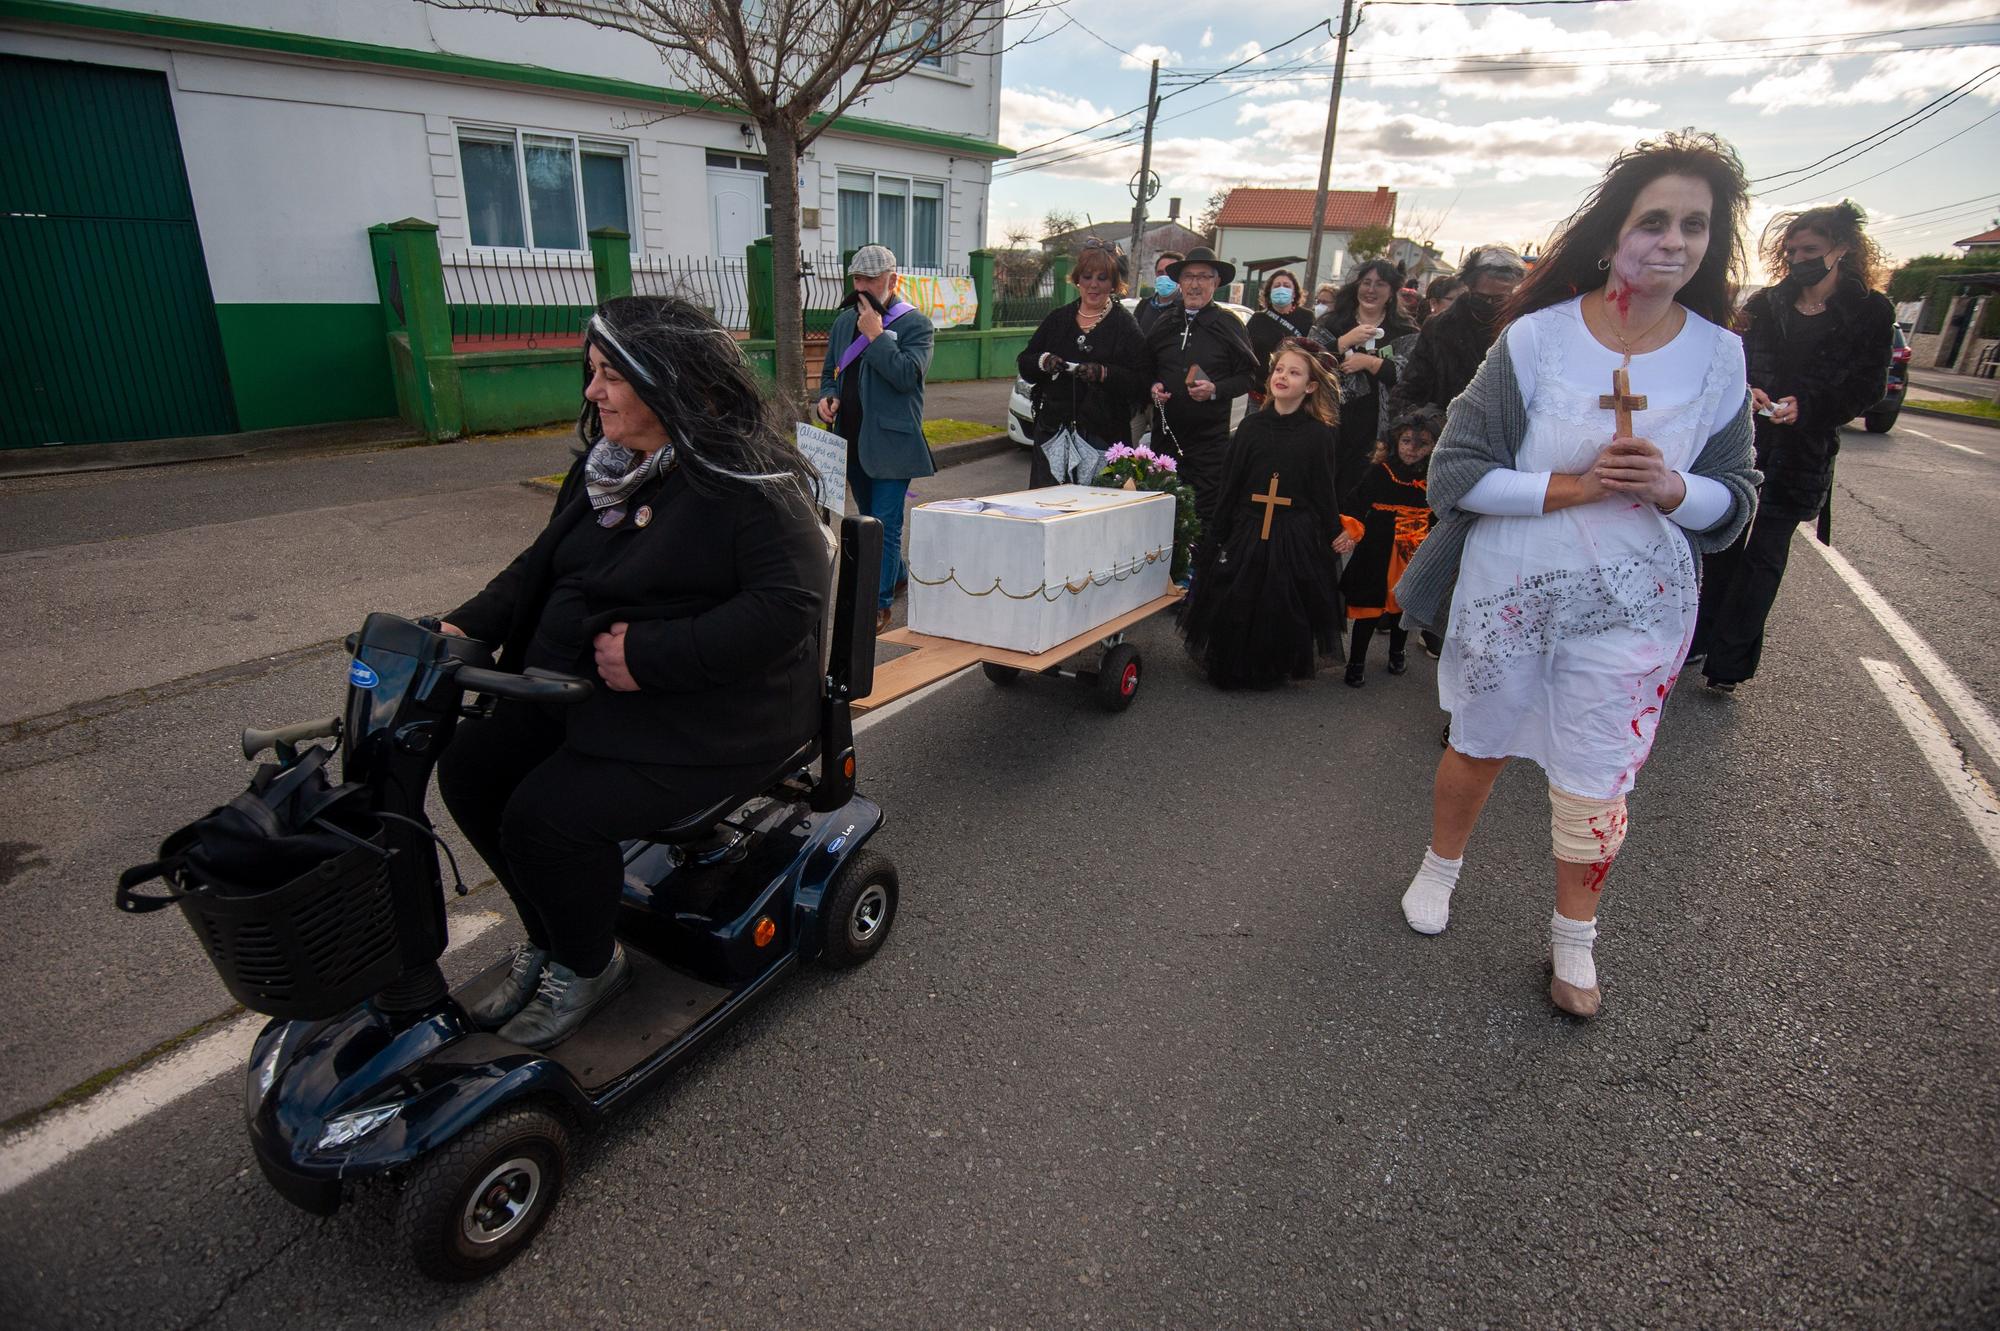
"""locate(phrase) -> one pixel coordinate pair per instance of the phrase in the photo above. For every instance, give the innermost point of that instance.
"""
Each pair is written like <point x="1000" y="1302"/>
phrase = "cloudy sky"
<point x="1492" y="120"/>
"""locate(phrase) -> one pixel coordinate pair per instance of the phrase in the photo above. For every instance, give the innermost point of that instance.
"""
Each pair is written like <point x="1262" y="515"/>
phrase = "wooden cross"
<point x="1272" y="503"/>
<point x="1622" y="401"/>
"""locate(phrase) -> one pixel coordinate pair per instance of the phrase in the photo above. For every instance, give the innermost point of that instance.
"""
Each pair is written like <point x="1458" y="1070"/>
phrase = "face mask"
<point x="1810" y="272"/>
<point x="1164" y="286"/>
<point x="1281" y="299"/>
<point x="1320" y="308"/>
<point x="1484" y="307"/>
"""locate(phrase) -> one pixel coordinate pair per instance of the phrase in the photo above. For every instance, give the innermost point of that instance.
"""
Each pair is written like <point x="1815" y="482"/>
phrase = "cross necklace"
<point x="1621" y="401"/>
<point x="1272" y="502"/>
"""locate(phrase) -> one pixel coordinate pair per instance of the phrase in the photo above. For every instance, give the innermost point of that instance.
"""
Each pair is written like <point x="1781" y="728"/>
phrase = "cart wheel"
<point x="472" y="1206"/>
<point x="1001" y="675"/>
<point x="1118" y="678"/>
<point x="859" y="910"/>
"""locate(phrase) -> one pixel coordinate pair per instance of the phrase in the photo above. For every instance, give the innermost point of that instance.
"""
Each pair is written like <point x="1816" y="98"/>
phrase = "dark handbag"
<point x="289" y="822"/>
<point x="287" y="888"/>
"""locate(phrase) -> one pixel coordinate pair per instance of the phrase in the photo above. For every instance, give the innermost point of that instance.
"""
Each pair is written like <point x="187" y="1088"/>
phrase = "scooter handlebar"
<point x="256" y="741"/>
<point x="533" y="686"/>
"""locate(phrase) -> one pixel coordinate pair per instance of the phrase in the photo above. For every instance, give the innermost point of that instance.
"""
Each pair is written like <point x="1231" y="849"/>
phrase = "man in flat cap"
<point x="871" y="392"/>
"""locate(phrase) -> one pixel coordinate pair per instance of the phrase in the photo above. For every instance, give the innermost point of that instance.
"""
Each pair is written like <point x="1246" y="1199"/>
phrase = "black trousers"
<point x="548" y="821"/>
<point x="1363" y="632"/>
<point x="1739" y="585"/>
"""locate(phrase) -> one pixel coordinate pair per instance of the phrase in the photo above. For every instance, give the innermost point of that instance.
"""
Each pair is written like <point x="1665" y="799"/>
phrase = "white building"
<point x="1257" y="223"/>
<point x="287" y="127"/>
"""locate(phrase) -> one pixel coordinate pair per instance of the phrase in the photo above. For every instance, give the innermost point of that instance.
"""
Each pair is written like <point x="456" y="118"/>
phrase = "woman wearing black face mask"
<point x="1454" y="341"/>
<point x="1816" y="347"/>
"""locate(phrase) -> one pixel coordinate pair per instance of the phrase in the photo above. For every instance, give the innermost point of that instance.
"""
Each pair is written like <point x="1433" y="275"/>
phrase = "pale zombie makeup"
<point x="1662" y="242"/>
<point x="1413" y="446"/>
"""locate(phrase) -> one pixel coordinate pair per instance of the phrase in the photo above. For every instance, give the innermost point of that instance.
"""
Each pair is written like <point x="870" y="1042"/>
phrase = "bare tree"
<point x="1204" y="221"/>
<point x="792" y="67"/>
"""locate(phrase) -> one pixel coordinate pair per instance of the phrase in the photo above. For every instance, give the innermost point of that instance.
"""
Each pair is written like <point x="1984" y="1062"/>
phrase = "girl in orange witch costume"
<point x="1265" y="604"/>
<point x="1391" y="504"/>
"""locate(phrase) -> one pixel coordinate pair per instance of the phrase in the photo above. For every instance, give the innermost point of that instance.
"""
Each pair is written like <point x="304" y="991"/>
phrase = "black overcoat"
<point x="724" y="596"/>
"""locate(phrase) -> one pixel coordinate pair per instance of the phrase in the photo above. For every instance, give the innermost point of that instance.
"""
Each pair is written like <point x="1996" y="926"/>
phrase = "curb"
<point x="1981" y="421"/>
<point x="73" y="459"/>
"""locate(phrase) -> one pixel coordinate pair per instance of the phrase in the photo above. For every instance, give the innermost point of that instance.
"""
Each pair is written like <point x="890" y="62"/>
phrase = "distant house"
<point x="1258" y="223"/>
<point x="1420" y="262"/>
<point x="1155" y="238"/>
<point x="1986" y="244"/>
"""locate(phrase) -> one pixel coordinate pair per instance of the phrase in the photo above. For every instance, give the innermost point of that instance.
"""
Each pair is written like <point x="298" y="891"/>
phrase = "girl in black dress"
<point x="1359" y="330"/>
<point x="1095" y="334"/>
<point x="1266" y="598"/>
<point x="1392" y="505"/>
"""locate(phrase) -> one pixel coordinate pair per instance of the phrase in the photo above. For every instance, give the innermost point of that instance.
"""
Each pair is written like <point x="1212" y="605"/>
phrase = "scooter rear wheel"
<point x="472" y="1206"/>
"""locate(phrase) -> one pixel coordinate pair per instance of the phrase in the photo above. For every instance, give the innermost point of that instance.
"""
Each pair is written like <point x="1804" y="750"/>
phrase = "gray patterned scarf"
<point x="612" y="472"/>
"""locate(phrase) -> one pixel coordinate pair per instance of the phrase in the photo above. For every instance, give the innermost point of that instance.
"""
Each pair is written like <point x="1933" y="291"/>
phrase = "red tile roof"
<point x="1983" y="238"/>
<point x="1291" y="209"/>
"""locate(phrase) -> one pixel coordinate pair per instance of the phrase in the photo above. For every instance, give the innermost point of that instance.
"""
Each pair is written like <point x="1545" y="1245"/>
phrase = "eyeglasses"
<point x="1197" y="275"/>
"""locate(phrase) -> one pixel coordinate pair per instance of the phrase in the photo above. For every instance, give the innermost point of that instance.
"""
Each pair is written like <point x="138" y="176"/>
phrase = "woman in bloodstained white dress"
<point x="1603" y="445"/>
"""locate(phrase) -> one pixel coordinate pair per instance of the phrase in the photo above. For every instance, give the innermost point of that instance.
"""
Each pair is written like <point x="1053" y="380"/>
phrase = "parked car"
<point x="1021" y="405"/>
<point x="1881" y="417"/>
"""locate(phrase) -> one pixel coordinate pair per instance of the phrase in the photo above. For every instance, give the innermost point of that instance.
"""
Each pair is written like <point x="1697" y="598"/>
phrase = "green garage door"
<point x="107" y="325"/>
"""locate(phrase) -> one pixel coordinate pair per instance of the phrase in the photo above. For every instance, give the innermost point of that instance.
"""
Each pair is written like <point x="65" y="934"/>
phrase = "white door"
<point x="735" y="209"/>
<point x="736" y="218"/>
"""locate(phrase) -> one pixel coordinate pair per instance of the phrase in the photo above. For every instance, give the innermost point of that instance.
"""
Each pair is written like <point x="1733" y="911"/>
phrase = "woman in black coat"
<point x="1101" y="339"/>
<point x="1816" y="348"/>
<point x="1364" y="315"/>
<point x="684" y="570"/>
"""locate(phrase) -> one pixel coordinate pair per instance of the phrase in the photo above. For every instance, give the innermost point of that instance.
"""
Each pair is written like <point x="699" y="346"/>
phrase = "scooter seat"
<point x="699" y="824"/>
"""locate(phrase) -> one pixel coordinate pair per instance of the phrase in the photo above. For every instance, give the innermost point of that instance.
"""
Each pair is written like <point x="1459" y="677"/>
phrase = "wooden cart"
<point x="1114" y="677"/>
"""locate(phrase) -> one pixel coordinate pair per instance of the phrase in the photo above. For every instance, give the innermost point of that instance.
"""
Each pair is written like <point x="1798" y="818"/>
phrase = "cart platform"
<point x="933" y="659"/>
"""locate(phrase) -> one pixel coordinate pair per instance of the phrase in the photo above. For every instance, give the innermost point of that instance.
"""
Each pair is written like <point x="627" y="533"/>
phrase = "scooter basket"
<point x="308" y="949"/>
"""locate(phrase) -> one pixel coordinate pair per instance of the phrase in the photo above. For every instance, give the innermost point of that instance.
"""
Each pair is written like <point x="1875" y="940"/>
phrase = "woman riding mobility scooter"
<point x="370" y="1068"/>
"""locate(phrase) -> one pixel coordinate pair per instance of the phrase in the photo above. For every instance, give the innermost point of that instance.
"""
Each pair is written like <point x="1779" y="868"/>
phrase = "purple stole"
<point x="896" y="311"/>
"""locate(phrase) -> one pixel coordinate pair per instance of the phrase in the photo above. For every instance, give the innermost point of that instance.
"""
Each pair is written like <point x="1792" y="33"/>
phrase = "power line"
<point x="1855" y="156"/>
<point x="1175" y="93"/>
<point x="1911" y="158"/>
<point x="1942" y="101"/>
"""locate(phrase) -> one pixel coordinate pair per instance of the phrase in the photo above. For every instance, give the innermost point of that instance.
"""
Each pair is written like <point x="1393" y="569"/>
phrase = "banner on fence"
<point x="827" y="452"/>
<point x="948" y="302"/>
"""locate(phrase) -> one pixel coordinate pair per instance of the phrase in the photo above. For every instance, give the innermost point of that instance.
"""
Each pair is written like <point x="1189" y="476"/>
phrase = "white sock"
<point x="1427" y="902"/>
<point x="1569" y="944"/>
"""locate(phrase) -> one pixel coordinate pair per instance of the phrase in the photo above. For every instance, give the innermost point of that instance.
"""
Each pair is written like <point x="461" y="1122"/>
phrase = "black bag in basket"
<point x="287" y="887"/>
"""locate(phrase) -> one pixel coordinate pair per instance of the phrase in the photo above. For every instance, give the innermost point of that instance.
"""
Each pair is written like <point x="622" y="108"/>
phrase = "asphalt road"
<point x="1151" y="1045"/>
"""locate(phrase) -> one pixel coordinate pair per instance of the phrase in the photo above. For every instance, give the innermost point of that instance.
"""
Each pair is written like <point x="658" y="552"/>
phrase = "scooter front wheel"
<point x="859" y="909"/>
<point x="471" y="1207"/>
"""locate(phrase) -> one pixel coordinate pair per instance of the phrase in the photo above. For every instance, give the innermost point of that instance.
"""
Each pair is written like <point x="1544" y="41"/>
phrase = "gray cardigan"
<point x="1483" y="430"/>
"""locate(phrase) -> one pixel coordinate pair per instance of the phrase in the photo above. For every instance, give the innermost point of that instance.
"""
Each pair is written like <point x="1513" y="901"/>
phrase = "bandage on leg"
<point x="1586" y="831"/>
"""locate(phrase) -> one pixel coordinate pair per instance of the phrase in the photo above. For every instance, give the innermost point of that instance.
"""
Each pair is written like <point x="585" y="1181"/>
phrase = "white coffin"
<point x="1034" y="568"/>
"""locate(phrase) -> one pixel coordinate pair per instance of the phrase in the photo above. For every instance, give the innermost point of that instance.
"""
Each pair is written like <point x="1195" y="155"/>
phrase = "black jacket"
<point x="1216" y="342"/>
<point x="1447" y="353"/>
<point x="1267" y="328"/>
<point x="1844" y="378"/>
<point x="724" y="597"/>
<point x="1103" y="411"/>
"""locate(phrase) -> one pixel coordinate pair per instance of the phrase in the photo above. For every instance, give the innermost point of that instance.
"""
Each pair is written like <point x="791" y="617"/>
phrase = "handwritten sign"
<point x="827" y="452"/>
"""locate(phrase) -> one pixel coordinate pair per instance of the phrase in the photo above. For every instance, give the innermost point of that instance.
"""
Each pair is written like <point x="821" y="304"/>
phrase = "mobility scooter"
<point x="371" y="1068"/>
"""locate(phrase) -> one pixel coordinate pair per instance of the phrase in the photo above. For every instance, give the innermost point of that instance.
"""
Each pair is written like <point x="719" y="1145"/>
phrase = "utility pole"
<point x="1326" y="149"/>
<point x="1142" y="184"/>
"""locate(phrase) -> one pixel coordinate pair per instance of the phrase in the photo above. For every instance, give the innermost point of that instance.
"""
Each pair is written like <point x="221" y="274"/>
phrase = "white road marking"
<point x="1976" y="720"/>
<point x="1962" y="781"/>
<point x="49" y="1141"/>
<point x="1911" y="429"/>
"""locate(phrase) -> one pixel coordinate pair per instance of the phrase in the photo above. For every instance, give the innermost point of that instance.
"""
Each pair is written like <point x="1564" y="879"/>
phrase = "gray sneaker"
<point x="563" y="1001"/>
<point x="516" y="987"/>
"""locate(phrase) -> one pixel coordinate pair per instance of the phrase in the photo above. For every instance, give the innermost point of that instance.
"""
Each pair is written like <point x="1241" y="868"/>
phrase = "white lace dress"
<point x="1568" y="629"/>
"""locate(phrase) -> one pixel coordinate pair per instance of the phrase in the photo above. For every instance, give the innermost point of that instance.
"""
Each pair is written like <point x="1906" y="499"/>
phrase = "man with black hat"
<point x="1202" y="362"/>
<point x="871" y="391"/>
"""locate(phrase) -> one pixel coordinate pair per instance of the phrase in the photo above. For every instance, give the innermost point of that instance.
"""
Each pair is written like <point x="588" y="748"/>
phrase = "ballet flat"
<point x="1577" y="1002"/>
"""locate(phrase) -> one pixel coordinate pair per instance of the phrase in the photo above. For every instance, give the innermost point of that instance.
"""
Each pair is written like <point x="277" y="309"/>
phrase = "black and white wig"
<point x="693" y="375"/>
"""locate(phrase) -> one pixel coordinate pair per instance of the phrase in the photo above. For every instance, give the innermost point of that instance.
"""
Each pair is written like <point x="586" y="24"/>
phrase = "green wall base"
<point x="305" y="364"/>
